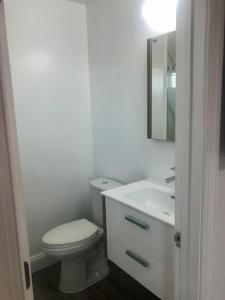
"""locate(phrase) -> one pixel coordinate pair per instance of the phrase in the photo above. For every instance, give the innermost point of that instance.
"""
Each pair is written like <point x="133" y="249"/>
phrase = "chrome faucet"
<point x="172" y="178"/>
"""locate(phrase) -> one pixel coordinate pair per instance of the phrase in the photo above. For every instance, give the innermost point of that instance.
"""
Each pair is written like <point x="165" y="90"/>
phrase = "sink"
<point x="147" y="196"/>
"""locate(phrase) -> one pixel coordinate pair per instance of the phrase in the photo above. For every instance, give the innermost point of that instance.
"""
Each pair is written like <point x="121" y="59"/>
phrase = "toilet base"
<point x="79" y="273"/>
<point x="73" y="277"/>
<point x="98" y="275"/>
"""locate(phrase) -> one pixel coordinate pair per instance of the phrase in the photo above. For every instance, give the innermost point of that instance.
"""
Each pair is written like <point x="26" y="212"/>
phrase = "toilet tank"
<point x="96" y="187"/>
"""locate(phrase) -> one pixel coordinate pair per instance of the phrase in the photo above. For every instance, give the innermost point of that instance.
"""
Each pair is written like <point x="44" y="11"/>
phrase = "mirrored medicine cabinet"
<point x="161" y="72"/>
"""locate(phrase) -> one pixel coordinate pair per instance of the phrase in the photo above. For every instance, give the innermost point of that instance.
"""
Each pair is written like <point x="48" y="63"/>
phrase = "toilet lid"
<point x="70" y="233"/>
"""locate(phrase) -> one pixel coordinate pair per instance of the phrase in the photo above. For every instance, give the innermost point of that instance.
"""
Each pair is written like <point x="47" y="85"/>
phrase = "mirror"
<point x="161" y="65"/>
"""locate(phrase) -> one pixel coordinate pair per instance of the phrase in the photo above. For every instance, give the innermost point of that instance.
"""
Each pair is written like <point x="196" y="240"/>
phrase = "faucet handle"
<point x="173" y="169"/>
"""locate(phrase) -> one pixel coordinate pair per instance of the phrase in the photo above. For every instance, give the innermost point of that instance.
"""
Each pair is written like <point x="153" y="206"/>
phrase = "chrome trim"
<point x="170" y="179"/>
<point x="137" y="258"/>
<point x="137" y="222"/>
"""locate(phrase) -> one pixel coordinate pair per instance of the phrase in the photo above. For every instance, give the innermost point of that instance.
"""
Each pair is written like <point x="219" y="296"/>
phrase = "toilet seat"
<point x="71" y="238"/>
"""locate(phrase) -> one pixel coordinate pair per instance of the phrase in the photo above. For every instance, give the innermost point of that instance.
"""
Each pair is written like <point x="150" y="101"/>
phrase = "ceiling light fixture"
<point x="160" y="15"/>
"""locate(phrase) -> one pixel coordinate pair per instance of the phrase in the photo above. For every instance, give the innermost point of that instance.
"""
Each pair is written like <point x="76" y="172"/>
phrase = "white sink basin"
<point x="147" y="196"/>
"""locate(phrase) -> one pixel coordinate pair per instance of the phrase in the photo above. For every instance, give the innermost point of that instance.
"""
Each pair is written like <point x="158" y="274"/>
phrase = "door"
<point x="15" y="280"/>
<point x="200" y="31"/>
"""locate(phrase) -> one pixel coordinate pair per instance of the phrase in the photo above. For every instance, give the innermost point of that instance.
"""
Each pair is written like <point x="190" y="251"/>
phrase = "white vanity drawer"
<point x="135" y="240"/>
<point x="139" y="229"/>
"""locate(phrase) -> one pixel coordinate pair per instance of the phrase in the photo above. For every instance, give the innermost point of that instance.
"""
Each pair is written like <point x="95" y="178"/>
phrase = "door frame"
<point x="200" y="34"/>
<point x="13" y="230"/>
<point x="199" y="29"/>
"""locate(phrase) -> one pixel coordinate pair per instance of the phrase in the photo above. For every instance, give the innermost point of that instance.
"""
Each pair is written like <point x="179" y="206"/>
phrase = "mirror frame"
<point x="149" y="86"/>
<point x="149" y="89"/>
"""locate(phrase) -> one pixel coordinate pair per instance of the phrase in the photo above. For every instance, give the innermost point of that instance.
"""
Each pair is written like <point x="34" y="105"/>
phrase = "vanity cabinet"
<point x="142" y="246"/>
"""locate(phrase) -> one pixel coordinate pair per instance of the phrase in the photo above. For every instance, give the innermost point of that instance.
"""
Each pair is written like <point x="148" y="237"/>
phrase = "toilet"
<point x="79" y="244"/>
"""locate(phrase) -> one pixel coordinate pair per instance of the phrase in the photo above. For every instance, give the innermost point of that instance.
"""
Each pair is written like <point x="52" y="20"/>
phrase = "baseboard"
<point x="40" y="261"/>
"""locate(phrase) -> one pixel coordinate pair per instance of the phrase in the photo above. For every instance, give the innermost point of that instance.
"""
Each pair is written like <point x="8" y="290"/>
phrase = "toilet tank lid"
<point x="105" y="184"/>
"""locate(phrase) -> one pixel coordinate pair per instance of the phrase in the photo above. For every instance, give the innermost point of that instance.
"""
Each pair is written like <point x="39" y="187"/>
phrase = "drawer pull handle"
<point x="137" y="222"/>
<point x="137" y="258"/>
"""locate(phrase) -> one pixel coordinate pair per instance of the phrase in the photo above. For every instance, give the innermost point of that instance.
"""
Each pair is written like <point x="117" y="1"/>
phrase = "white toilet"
<point x="79" y="244"/>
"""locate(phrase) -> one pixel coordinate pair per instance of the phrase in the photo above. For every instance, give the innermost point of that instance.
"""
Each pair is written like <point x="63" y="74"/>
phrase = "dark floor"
<point x="117" y="286"/>
<point x="100" y="291"/>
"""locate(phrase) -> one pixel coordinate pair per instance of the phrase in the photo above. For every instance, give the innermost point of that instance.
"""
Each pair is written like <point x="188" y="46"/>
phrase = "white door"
<point x="15" y="280"/>
<point x="200" y="30"/>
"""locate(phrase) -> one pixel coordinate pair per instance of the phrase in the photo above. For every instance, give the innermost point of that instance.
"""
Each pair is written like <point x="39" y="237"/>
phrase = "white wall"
<point x="49" y="61"/>
<point x="117" y="37"/>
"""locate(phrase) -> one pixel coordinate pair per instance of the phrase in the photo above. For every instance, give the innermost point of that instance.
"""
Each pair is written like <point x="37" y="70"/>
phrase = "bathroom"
<point x="85" y="104"/>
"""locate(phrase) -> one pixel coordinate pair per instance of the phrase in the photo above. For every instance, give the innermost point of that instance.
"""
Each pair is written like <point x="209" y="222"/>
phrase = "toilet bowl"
<point x="71" y="243"/>
<point x="71" y="239"/>
<point x="79" y="245"/>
